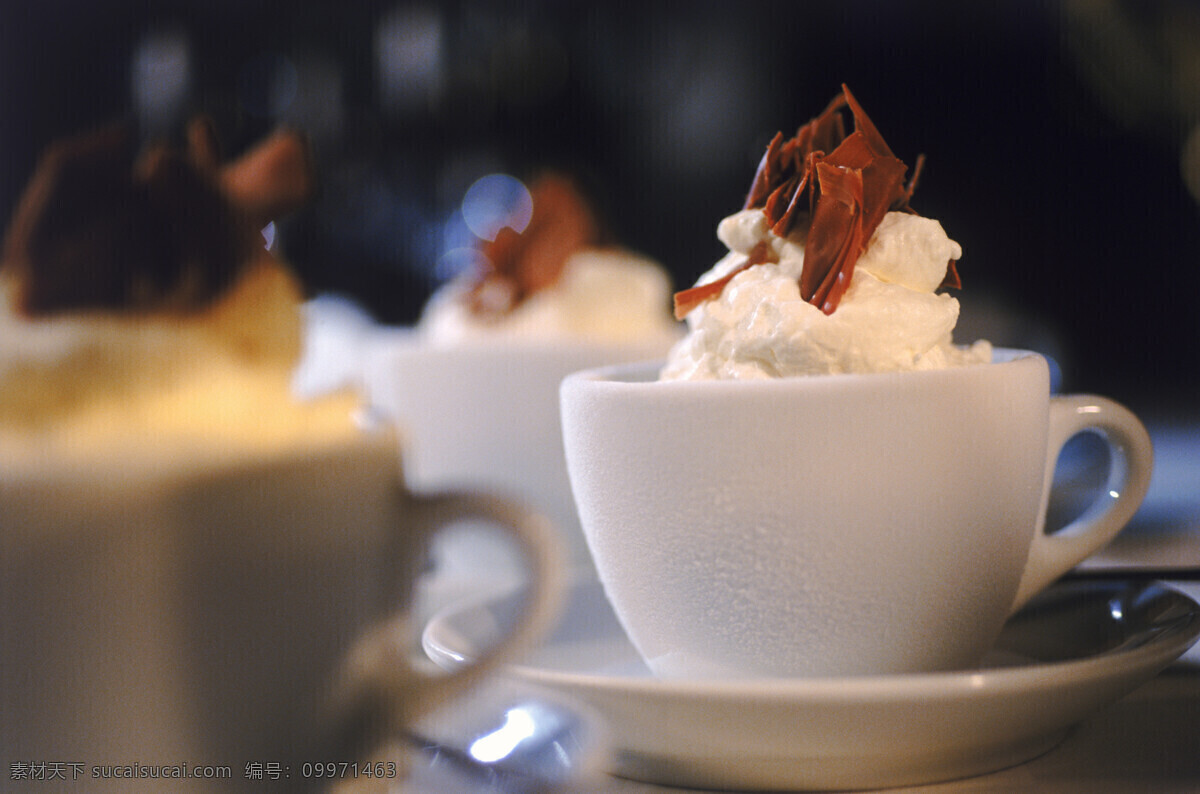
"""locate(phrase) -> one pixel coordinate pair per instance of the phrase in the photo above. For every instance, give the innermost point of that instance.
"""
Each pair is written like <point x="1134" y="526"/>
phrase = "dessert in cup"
<point x="475" y="384"/>
<point x="818" y="481"/>
<point x="197" y="568"/>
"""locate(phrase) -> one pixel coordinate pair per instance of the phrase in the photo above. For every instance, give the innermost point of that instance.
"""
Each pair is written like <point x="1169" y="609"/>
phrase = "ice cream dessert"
<point x="142" y="317"/>
<point x="829" y="268"/>
<point x="558" y="278"/>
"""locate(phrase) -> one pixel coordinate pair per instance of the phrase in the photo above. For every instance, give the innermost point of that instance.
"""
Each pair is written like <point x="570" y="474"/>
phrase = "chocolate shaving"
<point x="688" y="299"/>
<point x="103" y="227"/>
<point x="842" y="185"/>
<point x="520" y="264"/>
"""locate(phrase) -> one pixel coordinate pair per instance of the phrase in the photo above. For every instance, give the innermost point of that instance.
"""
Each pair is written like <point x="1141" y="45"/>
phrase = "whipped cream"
<point x="160" y="392"/>
<point x="890" y="319"/>
<point x="602" y="295"/>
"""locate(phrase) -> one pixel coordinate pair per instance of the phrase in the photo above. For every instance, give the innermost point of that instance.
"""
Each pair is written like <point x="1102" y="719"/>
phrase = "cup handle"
<point x="545" y="558"/>
<point x="1131" y="462"/>
<point x="380" y="690"/>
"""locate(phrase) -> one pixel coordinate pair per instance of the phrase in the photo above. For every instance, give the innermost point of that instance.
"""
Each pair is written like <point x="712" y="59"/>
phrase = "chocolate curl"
<point x="786" y="170"/>
<point x="844" y="185"/>
<point x="97" y="228"/>
<point x="835" y="237"/>
<point x="864" y="125"/>
<point x="203" y="146"/>
<point x="859" y="182"/>
<point x="688" y="299"/>
<point x="271" y="180"/>
<point x="521" y="264"/>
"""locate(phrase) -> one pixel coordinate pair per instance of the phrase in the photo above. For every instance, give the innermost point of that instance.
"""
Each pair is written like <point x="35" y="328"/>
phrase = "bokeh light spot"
<point x="496" y="201"/>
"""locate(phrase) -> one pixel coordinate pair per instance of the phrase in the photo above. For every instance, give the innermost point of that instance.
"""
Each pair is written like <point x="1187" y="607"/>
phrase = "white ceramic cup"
<point x="485" y="414"/>
<point x="248" y="615"/>
<point x="833" y="525"/>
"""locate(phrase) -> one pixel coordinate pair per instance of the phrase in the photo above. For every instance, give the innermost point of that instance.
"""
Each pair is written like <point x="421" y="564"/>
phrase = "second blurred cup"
<point x="485" y="414"/>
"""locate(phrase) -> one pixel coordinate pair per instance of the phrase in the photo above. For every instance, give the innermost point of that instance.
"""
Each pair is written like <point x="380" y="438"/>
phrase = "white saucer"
<point x="1078" y="647"/>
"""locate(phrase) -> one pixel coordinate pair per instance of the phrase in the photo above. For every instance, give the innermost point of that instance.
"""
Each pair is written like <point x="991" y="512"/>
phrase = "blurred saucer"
<point x="1079" y="646"/>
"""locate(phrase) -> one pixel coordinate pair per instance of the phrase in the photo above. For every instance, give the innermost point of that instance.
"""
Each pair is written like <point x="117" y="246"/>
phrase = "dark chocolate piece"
<point x="101" y="227"/>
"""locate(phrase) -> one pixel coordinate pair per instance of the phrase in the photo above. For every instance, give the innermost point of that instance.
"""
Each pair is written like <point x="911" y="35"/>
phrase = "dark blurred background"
<point x="1062" y="139"/>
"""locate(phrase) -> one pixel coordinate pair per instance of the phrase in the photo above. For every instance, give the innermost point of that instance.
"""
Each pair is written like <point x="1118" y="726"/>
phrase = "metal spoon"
<point x="504" y="741"/>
